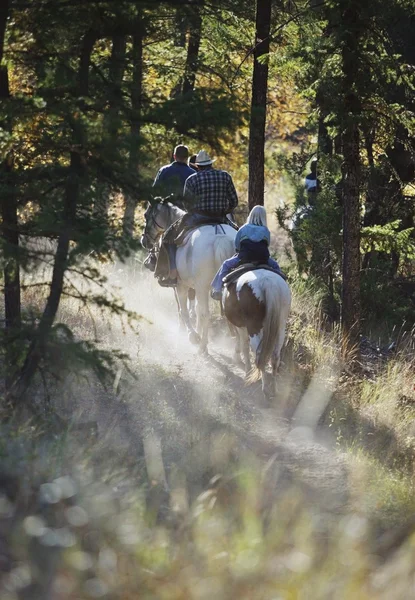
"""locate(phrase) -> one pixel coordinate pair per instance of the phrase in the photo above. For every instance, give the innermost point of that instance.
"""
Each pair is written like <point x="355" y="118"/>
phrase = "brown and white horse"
<point x="258" y="304"/>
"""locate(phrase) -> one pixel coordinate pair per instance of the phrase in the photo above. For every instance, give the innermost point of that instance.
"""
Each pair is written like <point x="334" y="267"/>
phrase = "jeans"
<point x="232" y="263"/>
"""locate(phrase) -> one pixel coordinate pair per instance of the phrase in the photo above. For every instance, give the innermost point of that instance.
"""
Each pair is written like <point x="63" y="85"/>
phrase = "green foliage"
<point x="92" y="114"/>
<point x="315" y="230"/>
<point x="389" y="239"/>
<point x="379" y="44"/>
<point x="65" y="354"/>
<point x="386" y="301"/>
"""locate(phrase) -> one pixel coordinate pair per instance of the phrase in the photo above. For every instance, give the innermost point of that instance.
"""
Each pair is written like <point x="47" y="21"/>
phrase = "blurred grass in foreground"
<point x="77" y="521"/>
<point x="74" y="527"/>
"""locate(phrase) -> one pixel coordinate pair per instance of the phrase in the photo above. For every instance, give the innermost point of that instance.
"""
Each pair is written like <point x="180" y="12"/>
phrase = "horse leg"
<point x="276" y="354"/>
<point x="269" y="382"/>
<point x="244" y="341"/>
<point x="271" y="388"/>
<point x="191" y="296"/>
<point x="202" y="312"/>
<point x="268" y="385"/>
<point x="184" y="313"/>
<point x="182" y="324"/>
<point x="238" y="346"/>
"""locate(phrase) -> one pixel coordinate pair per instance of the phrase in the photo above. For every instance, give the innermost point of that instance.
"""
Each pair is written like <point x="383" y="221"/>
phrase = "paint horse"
<point x="258" y="303"/>
<point x="199" y="257"/>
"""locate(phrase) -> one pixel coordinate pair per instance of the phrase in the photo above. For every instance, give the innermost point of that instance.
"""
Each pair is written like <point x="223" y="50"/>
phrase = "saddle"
<point x="202" y="220"/>
<point x="245" y="268"/>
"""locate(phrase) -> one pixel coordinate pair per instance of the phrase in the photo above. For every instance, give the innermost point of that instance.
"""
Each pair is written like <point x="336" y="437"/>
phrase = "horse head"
<point x="159" y="215"/>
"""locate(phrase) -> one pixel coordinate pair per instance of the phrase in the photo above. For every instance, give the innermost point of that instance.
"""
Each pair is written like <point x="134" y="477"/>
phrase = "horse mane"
<point x="175" y="210"/>
<point x="165" y="201"/>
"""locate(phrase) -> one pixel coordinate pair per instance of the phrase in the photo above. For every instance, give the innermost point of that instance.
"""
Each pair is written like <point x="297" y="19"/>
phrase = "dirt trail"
<point x="196" y="417"/>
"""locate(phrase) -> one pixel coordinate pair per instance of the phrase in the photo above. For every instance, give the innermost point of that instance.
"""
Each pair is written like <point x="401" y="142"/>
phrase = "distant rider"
<point x="312" y="184"/>
<point x="171" y="178"/>
<point x="170" y="181"/>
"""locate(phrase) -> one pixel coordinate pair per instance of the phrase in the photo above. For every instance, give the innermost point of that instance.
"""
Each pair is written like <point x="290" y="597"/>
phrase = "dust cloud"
<point x="196" y="414"/>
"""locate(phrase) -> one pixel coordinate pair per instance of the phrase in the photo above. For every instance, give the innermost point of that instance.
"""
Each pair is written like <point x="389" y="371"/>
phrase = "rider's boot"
<point x="151" y="261"/>
<point x="170" y="281"/>
<point x="216" y="294"/>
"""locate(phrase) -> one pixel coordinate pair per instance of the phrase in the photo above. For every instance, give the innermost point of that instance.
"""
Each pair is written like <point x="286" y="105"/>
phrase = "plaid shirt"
<point x="210" y="190"/>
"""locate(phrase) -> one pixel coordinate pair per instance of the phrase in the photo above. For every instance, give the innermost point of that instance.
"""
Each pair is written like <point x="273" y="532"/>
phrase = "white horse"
<point x="197" y="259"/>
<point x="258" y="304"/>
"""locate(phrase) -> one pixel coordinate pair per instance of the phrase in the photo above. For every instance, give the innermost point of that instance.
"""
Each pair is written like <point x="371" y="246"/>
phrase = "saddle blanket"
<point x="184" y="234"/>
<point x="244" y="268"/>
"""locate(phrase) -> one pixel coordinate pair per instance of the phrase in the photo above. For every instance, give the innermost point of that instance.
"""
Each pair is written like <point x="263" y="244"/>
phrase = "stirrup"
<point x="167" y="282"/>
<point x="216" y="295"/>
<point x="150" y="262"/>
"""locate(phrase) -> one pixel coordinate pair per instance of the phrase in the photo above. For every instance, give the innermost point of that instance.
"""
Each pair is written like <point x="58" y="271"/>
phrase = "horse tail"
<point x="277" y="299"/>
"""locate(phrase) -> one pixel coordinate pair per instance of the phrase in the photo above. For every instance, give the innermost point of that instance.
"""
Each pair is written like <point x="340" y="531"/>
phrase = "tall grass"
<point x="79" y="529"/>
<point x="85" y="518"/>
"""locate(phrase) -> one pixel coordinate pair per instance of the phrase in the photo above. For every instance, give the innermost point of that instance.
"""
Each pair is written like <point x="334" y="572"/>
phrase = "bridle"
<point x="153" y="224"/>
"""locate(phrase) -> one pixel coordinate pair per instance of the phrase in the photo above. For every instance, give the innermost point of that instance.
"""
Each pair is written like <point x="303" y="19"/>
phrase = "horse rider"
<point x="192" y="162"/>
<point x="312" y="184"/>
<point x="209" y="195"/>
<point x="170" y="181"/>
<point x="171" y="178"/>
<point x="251" y="244"/>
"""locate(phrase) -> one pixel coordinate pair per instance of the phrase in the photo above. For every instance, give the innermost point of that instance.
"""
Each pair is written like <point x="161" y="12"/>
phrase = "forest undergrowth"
<point x="159" y="487"/>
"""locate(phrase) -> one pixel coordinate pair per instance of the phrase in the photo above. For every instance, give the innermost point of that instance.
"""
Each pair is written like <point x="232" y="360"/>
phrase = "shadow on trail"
<point x="250" y="391"/>
<point x="203" y="435"/>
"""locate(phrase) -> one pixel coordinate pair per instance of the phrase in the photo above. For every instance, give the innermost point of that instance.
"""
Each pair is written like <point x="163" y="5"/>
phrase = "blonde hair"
<point x="258" y="216"/>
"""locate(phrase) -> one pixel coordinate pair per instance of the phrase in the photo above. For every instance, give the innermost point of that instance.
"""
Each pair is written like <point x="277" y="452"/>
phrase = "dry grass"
<point x="81" y="518"/>
<point x="80" y="529"/>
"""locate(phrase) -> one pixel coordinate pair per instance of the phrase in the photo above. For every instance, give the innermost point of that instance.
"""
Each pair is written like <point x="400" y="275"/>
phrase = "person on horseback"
<point x="209" y="195"/>
<point x="251" y="244"/>
<point x="170" y="181"/>
<point x="171" y="178"/>
<point x="312" y="184"/>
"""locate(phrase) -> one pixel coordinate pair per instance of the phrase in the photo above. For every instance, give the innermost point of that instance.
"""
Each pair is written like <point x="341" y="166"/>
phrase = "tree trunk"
<point x="180" y="27"/>
<point x="116" y="74"/>
<point x="4" y="14"/>
<point x="325" y="143"/>
<point x="351" y="177"/>
<point x="9" y="230"/>
<point x="136" y="99"/>
<point x="36" y="349"/>
<point x="192" y="58"/>
<point x="259" y="104"/>
<point x="10" y="251"/>
<point x="111" y="119"/>
<point x="85" y="60"/>
<point x="351" y="235"/>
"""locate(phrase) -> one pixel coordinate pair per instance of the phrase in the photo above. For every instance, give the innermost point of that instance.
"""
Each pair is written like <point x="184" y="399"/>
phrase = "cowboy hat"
<point x="203" y="159"/>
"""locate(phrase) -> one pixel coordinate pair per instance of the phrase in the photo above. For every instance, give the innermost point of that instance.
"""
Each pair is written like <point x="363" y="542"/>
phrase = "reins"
<point x="154" y="223"/>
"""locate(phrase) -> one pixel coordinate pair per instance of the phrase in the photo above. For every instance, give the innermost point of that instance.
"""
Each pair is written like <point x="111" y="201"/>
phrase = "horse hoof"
<point x="194" y="338"/>
<point x="238" y="362"/>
